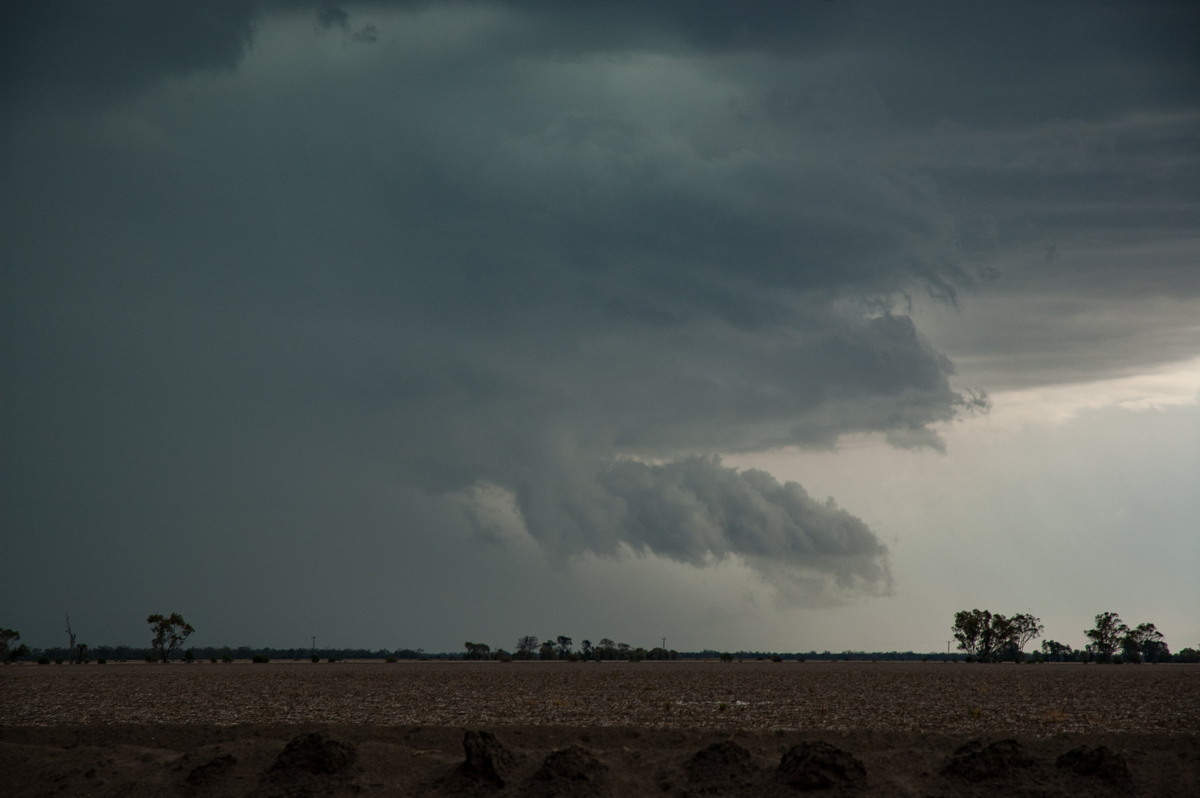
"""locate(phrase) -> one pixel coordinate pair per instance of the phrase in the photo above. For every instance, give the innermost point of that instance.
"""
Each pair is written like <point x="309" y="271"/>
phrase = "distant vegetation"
<point x="982" y="636"/>
<point x="987" y="637"/>
<point x="170" y="632"/>
<point x="10" y="649"/>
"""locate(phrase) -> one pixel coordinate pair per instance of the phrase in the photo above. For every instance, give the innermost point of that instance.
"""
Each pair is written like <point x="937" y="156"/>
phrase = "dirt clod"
<point x="1101" y="762"/>
<point x="487" y="759"/>
<point x="315" y="754"/>
<point x="213" y="770"/>
<point x="818" y="765"/>
<point x="721" y="767"/>
<point x="570" y="771"/>
<point x="978" y="762"/>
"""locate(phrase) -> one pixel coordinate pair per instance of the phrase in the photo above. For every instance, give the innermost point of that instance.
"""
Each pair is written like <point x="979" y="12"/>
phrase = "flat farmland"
<point x="764" y="696"/>
<point x="611" y="729"/>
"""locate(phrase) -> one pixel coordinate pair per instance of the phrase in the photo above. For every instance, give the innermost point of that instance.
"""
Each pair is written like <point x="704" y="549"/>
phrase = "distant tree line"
<point x="982" y="636"/>
<point x="987" y="637"/>
<point x="1141" y="643"/>
<point x="562" y="647"/>
<point x="126" y="653"/>
<point x="169" y="633"/>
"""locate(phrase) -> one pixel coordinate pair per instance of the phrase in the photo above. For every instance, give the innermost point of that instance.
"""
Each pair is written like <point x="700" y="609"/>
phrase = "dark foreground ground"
<point x="559" y="729"/>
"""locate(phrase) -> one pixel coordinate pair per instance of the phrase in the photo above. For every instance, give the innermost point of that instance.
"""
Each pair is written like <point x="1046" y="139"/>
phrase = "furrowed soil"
<point x="599" y="729"/>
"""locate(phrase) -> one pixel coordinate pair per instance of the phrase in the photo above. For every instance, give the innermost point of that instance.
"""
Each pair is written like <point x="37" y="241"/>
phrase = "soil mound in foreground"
<point x="547" y="762"/>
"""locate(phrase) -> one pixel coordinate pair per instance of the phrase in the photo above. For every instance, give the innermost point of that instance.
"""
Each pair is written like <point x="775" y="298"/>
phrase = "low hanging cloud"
<point x="695" y="510"/>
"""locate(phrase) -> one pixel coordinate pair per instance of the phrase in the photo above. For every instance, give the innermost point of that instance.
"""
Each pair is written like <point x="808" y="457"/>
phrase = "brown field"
<point x="685" y="728"/>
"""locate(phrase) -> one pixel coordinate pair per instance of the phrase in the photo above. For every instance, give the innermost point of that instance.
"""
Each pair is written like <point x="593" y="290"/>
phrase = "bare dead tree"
<point x="80" y="649"/>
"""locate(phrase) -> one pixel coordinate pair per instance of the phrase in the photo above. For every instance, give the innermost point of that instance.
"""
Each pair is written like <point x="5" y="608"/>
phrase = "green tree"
<point x="966" y="629"/>
<point x="1025" y="629"/>
<point x="9" y="650"/>
<point x="170" y="632"/>
<point x="526" y="646"/>
<point x="564" y="646"/>
<point x="998" y="639"/>
<point x="987" y="636"/>
<point x="1106" y="635"/>
<point x="1144" y="642"/>
<point x="1056" y="651"/>
<point x="976" y="632"/>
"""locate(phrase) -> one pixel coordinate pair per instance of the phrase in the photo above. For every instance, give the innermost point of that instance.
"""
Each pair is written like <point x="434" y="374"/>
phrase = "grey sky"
<point x="408" y="323"/>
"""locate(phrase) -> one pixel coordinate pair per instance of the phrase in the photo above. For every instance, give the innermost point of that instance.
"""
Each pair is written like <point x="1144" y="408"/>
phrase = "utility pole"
<point x="664" y="644"/>
<point x="314" y="645"/>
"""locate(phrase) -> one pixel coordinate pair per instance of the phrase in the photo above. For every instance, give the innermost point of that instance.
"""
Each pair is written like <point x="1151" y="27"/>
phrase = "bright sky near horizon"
<point x="404" y="323"/>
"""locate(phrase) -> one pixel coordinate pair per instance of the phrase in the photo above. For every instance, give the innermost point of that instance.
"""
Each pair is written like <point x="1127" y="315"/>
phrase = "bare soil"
<point x="678" y="729"/>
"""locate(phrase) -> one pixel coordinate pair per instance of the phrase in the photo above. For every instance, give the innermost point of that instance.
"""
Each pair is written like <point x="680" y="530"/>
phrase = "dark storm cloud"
<point x="330" y="15"/>
<point x="260" y="285"/>
<point x="65" y="55"/>
<point x="970" y="63"/>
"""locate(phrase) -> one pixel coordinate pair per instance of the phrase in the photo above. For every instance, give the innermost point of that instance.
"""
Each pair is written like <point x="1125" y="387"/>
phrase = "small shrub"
<point x="43" y="660"/>
<point x="213" y="660"/>
<point x="227" y="658"/>
<point x="101" y="661"/>
<point x="776" y="658"/>
<point x="390" y="659"/>
<point x="332" y="659"/>
<point x="261" y="658"/>
<point x="315" y="658"/>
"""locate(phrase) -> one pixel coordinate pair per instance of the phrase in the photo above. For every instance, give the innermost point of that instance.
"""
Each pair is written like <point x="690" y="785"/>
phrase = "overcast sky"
<point x="769" y="326"/>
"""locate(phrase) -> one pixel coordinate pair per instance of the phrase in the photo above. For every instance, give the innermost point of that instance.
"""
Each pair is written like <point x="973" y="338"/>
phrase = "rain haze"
<point x="777" y="326"/>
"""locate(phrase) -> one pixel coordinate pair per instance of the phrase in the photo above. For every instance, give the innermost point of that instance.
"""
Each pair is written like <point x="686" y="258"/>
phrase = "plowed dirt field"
<point x="683" y="728"/>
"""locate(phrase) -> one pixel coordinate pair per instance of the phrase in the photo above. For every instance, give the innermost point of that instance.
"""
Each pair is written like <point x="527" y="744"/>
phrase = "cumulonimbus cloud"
<point x="478" y="263"/>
